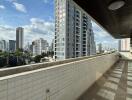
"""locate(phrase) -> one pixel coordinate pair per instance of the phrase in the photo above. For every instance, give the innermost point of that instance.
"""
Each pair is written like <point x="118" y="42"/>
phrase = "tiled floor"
<point x="116" y="84"/>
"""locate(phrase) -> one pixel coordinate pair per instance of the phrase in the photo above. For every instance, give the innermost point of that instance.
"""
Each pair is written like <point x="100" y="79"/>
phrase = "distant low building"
<point x="12" y="45"/>
<point x="3" y="45"/>
<point x="27" y="47"/>
<point x="31" y="48"/>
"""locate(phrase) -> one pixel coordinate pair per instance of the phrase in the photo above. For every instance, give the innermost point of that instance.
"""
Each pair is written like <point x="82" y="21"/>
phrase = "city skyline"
<point x="40" y="22"/>
<point x="18" y="43"/>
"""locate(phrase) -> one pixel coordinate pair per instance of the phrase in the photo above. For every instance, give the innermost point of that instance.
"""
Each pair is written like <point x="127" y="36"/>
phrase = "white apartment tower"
<point x="40" y="46"/>
<point x="74" y="36"/>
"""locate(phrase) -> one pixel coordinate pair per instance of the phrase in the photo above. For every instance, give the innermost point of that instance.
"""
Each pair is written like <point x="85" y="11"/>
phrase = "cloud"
<point x="2" y="7"/>
<point x="101" y="36"/>
<point x="45" y="1"/>
<point x="99" y="32"/>
<point x="50" y="2"/>
<point x="7" y="32"/>
<point x="20" y="7"/>
<point x="11" y="0"/>
<point x="37" y="28"/>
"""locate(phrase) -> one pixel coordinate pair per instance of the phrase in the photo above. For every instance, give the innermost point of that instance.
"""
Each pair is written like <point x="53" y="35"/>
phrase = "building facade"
<point x="12" y="45"/>
<point x="51" y="47"/>
<point x="40" y="46"/>
<point x="99" y="48"/>
<point x="3" y="45"/>
<point x="19" y="38"/>
<point x="124" y="44"/>
<point x="74" y="36"/>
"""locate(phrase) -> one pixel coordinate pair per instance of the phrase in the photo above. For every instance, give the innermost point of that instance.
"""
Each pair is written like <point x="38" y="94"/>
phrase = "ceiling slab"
<point x="118" y="23"/>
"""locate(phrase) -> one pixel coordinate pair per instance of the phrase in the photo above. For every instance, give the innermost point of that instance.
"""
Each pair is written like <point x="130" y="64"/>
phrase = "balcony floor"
<point x="116" y="84"/>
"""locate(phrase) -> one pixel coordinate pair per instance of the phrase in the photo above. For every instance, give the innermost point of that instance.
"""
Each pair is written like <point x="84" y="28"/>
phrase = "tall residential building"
<point x="12" y="45"/>
<point x="124" y="44"/>
<point x="19" y="38"/>
<point x="74" y="36"/>
<point x="40" y="46"/>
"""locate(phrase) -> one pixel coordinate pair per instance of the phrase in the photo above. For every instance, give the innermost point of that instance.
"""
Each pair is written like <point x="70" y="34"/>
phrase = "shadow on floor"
<point x="108" y="86"/>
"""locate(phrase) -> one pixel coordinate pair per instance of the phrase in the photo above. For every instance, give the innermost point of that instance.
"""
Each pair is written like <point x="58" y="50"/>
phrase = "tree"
<point x="4" y="54"/>
<point x="18" y="52"/>
<point x="1" y="53"/>
<point x="3" y="61"/>
<point x="50" y="53"/>
<point x="12" y="61"/>
<point x="44" y="55"/>
<point x="37" y="58"/>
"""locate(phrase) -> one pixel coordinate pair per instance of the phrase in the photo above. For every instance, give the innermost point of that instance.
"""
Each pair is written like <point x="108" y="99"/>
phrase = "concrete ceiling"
<point x="118" y="23"/>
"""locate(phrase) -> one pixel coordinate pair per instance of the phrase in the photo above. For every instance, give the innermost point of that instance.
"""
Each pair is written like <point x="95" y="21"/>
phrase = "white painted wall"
<point x="64" y="82"/>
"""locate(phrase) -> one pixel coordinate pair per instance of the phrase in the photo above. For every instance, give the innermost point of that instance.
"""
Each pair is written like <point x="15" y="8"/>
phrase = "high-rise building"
<point x="19" y="38"/>
<point x="12" y="45"/>
<point x="40" y="46"/>
<point x="99" y="48"/>
<point x="7" y="46"/>
<point x="119" y="45"/>
<point x="124" y="44"/>
<point x="73" y="31"/>
<point x="51" y="47"/>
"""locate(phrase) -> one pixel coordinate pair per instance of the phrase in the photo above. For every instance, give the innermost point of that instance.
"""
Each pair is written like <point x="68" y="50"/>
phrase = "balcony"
<point x="100" y="77"/>
<point x="63" y="80"/>
<point x="116" y="84"/>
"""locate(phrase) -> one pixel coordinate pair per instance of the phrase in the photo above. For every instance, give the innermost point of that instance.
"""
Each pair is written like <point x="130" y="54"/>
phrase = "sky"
<point x="37" y="19"/>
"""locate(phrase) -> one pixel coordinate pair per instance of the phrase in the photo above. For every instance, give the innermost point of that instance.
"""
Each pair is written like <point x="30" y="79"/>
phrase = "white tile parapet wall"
<point x="60" y="82"/>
